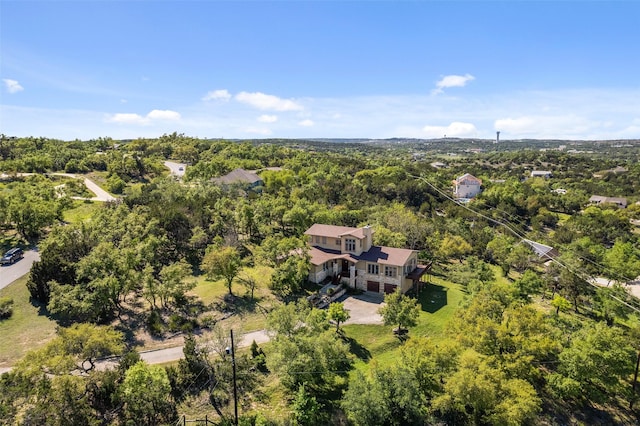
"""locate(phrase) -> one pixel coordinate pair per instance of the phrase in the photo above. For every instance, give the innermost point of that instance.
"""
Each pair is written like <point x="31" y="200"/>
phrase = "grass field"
<point x="81" y="211"/>
<point x="438" y="302"/>
<point x="26" y="329"/>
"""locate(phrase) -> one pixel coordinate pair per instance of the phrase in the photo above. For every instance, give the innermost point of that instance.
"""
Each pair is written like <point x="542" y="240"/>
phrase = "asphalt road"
<point x="363" y="309"/>
<point x="175" y="168"/>
<point x="10" y="273"/>
<point x="101" y="194"/>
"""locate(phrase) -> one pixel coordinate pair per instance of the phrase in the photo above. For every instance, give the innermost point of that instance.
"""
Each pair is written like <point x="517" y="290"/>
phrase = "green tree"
<point x="596" y="365"/>
<point x="288" y="276"/>
<point x="222" y="263"/>
<point x="454" y="246"/>
<point x="338" y="314"/>
<point x="306" y="410"/>
<point x="622" y="262"/>
<point x="396" y="389"/>
<point x="400" y="310"/>
<point x="174" y="282"/>
<point x="486" y="395"/>
<point x="528" y="284"/>
<point x="145" y="392"/>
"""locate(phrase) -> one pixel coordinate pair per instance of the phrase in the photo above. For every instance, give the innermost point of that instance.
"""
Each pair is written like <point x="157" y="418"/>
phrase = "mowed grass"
<point x="439" y="301"/>
<point x="26" y="329"/>
<point x="81" y="211"/>
<point x="250" y="315"/>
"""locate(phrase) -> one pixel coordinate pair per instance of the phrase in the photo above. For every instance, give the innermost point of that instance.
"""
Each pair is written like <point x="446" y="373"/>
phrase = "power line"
<point x="522" y="237"/>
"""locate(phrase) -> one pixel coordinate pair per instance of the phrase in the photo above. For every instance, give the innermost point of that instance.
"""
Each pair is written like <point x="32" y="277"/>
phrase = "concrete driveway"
<point x="363" y="308"/>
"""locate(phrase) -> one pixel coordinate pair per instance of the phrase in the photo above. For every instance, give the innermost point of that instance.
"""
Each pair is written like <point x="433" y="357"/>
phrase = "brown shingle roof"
<point x="333" y="231"/>
<point x="238" y="176"/>
<point x="319" y="256"/>
<point x="468" y="179"/>
<point x="386" y="255"/>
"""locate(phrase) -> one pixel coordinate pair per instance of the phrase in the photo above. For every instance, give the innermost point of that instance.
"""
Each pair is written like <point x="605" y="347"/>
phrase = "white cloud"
<point x="159" y="114"/>
<point x="127" y="118"/>
<point x="153" y="116"/>
<point x="221" y="94"/>
<point x="452" y="81"/>
<point x="455" y="129"/>
<point x="568" y="126"/>
<point x="267" y="102"/>
<point x="12" y="86"/>
<point x="306" y="123"/>
<point x="558" y="114"/>
<point x="268" y="118"/>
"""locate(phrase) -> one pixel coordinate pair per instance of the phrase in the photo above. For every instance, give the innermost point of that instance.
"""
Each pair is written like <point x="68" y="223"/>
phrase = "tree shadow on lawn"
<point x="238" y="305"/>
<point x="357" y="349"/>
<point x="433" y="297"/>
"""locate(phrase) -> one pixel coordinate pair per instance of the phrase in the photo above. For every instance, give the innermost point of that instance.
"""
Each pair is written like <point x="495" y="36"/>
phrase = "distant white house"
<point x="466" y="186"/>
<point x="541" y="173"/>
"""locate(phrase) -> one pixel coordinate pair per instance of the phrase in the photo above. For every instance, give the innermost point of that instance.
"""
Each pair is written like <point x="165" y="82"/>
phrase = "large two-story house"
<point x="467" y="186"/>
<point x="348" y="255"/>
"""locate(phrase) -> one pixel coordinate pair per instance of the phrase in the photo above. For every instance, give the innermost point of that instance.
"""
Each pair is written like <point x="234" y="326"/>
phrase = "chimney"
<point x="368" y="237"/>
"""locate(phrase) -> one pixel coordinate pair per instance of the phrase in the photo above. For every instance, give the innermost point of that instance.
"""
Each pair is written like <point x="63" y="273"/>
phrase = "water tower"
<point x="497" y="137"/>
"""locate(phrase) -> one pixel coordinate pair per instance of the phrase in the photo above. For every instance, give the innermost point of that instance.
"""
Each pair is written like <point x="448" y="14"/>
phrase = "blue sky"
<point x="286" y="69"/>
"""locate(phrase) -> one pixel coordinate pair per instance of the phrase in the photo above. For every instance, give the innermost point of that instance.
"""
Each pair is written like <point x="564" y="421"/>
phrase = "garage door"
<point x="373" y="286"/>
<point x="389" y="288"/>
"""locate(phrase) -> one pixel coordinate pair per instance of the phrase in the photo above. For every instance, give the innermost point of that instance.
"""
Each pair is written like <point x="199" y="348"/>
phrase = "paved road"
<point x="175" y="168"/>
<point x="9" y="274"/>
<point x="363" y="309"/>
<point x="101" y="194"/>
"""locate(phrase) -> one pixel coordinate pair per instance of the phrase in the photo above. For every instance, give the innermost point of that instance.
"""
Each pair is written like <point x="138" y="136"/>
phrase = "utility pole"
<point x="232" y="351"/>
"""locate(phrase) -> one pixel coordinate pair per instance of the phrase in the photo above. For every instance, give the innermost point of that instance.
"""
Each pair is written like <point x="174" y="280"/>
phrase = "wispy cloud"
<point x="221" y="94"/>
<point x="452" y="81"/>
<point x="455" y="129"/>
<point x="268" y="118"/>
<point x="12" y="86"/>
<point x="137" y="119"/>
<point x="268" y="102"/>
<point x="558" y="114"/>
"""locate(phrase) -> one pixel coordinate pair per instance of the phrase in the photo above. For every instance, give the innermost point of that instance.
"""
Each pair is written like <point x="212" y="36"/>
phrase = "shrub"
<point x="179" y="323"/>
<point x="155" y="325"/>
<point x="6" y="307"/>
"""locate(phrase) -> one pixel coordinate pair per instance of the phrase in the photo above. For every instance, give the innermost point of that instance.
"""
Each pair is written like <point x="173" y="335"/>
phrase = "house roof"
<point x="334" y="231"/>
<point x="468" y="179"/>
<point x="386" y="255"/>
<point x="614" y="200"/>
<point x="238" y="176"/>
<point x="541" y="173"/>
<point x="542" y="250"/>
<point x="377" y="254"/>
<point x="319" y="255"/>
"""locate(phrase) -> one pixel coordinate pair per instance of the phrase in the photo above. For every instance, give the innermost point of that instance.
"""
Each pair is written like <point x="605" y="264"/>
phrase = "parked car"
<point x="12" y="256"/>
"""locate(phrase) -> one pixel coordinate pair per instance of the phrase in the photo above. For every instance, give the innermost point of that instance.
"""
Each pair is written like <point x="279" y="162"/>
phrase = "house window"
<point x="373" y="268"/>
<point x="390" y="271"/>
<point x="337" y="241"/>
<point x="350" y="244"/>
<point x="324" y="240"/>
<point x="317" y="239"/>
